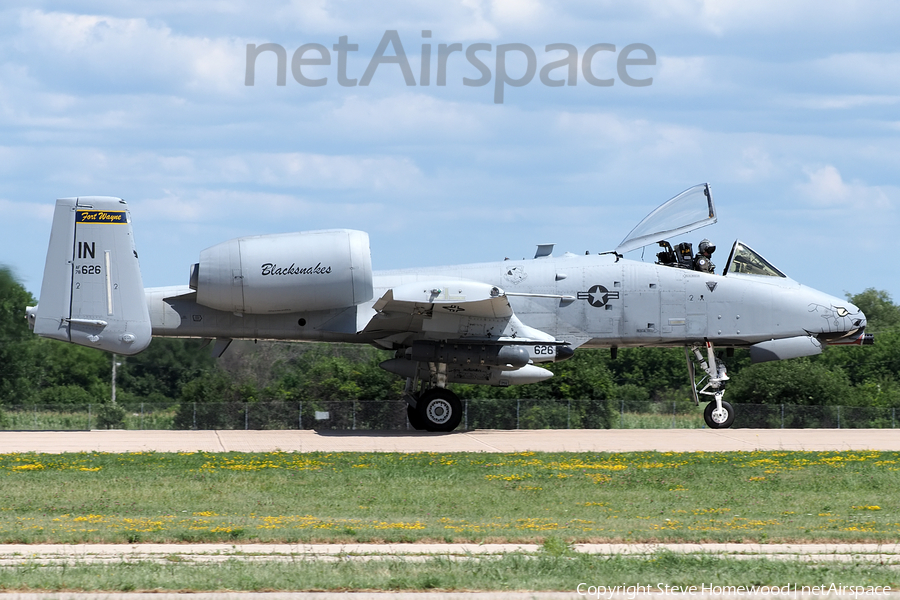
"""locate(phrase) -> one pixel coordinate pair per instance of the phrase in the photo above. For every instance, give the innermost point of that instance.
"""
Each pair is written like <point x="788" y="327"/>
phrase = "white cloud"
<point x="97" y="53"/>
<point x="723" y="17"/>
<point x="602" y="128"/>
<point x="25" y="211"/>
<point x="518" y="12"/>
<point x="826" y="188"/>
<point x="286" y="170"/>
<point x="755" y="165"/>
<point x="837" y="101"/>
<point x="457" y="20"/>
<point x="650" y="142"/>
<point x="415" y="117"/>
<point x="476" y="25"/>
<point x="870" y="70"/>
<point x="686" y="74"/>
<point x="318" y="171"/>
<point x="231" y="208"/>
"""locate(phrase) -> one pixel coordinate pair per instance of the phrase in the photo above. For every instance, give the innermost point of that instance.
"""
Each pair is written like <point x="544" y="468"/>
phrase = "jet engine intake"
<point x="284" y="273"/>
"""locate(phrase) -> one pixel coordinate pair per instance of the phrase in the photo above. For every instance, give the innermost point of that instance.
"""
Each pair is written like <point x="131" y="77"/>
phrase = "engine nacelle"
<point x="282" y="273"/>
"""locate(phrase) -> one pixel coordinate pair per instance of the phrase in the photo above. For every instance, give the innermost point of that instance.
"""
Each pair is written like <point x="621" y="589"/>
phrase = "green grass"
<point x="525" y="497"/>
<point x="512" y="572"/>
<point x="29" y="418"/>
<point x="681" y="420"/>
<point x="554" y="499"/>
<point x="80" y="418"/>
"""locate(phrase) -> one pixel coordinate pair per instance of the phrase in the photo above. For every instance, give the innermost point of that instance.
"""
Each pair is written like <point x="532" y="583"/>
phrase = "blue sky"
<point x="789" y="110"/>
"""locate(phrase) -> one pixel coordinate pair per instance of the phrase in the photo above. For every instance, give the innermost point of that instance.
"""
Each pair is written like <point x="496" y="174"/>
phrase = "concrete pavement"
<point x="580" y="440"/>
<point x="70" y="554"/>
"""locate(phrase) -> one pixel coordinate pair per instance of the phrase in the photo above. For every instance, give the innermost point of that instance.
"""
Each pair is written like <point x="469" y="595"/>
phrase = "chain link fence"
<point x="477" y="414"/>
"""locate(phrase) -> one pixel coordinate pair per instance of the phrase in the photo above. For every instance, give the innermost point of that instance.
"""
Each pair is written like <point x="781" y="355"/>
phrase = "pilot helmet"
<point x="706" y="246"/>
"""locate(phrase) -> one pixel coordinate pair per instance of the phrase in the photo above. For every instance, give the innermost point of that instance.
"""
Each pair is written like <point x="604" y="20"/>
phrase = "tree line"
<point x="178" y="371"/>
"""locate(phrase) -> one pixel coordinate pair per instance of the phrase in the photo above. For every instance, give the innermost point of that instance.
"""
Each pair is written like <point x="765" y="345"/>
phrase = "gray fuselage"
<point x="589" y="301"/>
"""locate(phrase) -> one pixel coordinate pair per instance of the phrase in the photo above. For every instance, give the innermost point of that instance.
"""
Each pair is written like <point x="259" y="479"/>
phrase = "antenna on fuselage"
<point x="544" y="250"/>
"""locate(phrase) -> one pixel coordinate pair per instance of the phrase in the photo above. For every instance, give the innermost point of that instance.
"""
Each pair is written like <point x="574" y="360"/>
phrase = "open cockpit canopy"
<point x="689" y="210"/>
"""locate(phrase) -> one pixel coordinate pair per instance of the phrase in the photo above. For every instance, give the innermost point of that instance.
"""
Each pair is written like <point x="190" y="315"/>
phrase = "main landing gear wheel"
<point x="414" y="419"/>
<point x="438" y="409"/>
<point x="718" y="419"/>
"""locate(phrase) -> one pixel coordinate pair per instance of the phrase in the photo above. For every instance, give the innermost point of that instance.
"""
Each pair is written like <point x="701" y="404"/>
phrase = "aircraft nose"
<point x="859" y="337"/>
<point x="836" y="321"/>
<point x="860" y="320"/>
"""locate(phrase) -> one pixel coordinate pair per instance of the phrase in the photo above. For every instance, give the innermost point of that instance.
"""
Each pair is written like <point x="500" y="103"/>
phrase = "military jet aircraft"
<point x="490" y="323"/>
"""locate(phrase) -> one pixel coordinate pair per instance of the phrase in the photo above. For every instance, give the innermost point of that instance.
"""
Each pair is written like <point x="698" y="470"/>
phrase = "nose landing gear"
<point x="718" y="414"/>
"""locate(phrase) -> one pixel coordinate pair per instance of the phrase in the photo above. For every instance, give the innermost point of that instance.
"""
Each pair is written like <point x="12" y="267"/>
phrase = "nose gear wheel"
<point x="718" y="418"/>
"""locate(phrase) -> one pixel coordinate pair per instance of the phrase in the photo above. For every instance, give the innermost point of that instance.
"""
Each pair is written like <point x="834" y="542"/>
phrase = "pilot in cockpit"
<point x="703" y="260"/>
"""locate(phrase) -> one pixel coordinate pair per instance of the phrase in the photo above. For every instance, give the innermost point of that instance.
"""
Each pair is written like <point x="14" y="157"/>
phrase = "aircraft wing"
<point x="450" y="309"/>
<point x="475" y="298"/>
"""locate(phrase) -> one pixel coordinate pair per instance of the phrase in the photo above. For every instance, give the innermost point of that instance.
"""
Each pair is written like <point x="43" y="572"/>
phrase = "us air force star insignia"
<point x="454" y="308"/>
<point x="711" y="285"/>
<point x="598" y="295"/>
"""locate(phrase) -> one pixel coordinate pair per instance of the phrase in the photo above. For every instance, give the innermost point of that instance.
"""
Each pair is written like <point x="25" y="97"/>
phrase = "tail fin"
<point x="92" y="293"/>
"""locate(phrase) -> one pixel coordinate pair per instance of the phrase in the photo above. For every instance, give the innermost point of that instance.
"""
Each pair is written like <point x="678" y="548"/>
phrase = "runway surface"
<point x="317" y="596"/>
<point x="72" y="554"/>
<point x="580" y="440"/>
<point x="61" y="555"/>
<point x="423" y="596"/>
<point x="419" y="596"/>
<point x="314" y="596"/>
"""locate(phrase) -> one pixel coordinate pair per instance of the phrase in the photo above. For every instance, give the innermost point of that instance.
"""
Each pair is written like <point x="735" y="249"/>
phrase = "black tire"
<point x="414" y="419"/>
<point x="439" y="409"/>
<point x="716" y="421"/>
